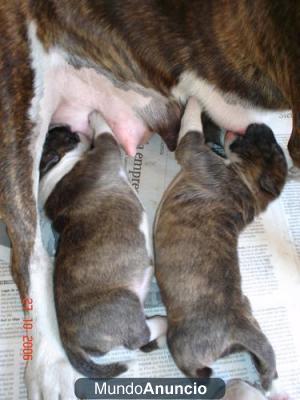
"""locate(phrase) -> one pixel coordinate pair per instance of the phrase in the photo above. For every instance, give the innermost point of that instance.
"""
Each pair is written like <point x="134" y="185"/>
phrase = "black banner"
<point x="150" y="388"/>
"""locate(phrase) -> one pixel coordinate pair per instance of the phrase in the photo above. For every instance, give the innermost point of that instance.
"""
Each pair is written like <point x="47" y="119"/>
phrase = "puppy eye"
<point x="75" y="137"/>
<point x="48" y="161"/>
<point x="72" y="139"/>
<point x="234" y="145"/>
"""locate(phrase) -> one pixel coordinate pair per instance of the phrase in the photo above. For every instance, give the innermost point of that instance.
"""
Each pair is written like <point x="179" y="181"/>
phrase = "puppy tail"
<point x="250" y="337"/>
<point x="83" y="364"/>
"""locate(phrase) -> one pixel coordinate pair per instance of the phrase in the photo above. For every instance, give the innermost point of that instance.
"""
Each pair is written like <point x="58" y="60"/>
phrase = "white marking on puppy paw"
<point x="280" y="396"/>
<point x="237" y="389"/>
<point x="158" y="327"/>
<point x="162" y="341"/>
<point x="276" y="392"/>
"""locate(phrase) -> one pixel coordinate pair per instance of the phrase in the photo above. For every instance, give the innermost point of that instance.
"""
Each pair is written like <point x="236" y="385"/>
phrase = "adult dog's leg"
<point x="288" y="75"/>
<point x="49" y="374"/>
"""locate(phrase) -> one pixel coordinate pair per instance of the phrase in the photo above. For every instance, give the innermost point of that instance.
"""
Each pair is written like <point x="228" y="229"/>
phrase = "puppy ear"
<point x="48" y="161"/>
<point x="268" y="184"/>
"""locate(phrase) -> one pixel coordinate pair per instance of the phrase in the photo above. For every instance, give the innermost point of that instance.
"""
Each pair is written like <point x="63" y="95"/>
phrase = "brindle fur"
<point x="247" y="48"/>
<point x="101" y="253"/>
<point x="17" y="205"/>
<point x="250" y="48"/>
<point x="196" y="259"/>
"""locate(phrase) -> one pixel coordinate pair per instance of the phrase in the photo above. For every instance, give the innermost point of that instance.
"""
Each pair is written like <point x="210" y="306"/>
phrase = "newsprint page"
<point x="269" y="260"/>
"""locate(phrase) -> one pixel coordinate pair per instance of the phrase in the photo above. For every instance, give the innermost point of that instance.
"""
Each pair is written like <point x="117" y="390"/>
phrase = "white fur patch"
<point x="66" y="164"/>
<point x="141" y="287"/>
<point x="122" y="174"/>
<point x="44" y="101"/>
<point x="144" y="228"/>
<point x="158" y="327"/>
<point x="276" y="391"/>
<point x="191" y="120"/>
<point x="240" y="390"/>
<point x="49" y="375"/>
<point x="41" y="292"/>
<point x="226" y="109"/>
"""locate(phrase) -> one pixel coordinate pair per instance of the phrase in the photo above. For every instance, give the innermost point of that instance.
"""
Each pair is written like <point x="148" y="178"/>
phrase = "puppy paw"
<point x="50" y="379"/>
<point x="158" y="329"/>
<point x="98" y="124"/>
<point x="157" y="326"/>
<point x="149" y="347"/>
<point x="154" y="344"/>
<point x="277" y="393"/>
<point x="280" y="396"/>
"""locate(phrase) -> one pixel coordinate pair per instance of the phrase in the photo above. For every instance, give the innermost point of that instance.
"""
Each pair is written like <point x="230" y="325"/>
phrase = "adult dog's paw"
<point x="51" y="379"/>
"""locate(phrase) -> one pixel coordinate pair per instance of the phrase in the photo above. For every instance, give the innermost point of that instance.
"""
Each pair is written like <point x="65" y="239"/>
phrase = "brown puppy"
<point x="103" y="265"/>
<point x="196" y="232"/>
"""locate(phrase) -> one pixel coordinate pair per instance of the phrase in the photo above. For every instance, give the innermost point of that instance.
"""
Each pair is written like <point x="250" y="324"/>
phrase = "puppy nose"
<point x="204" y="372"/>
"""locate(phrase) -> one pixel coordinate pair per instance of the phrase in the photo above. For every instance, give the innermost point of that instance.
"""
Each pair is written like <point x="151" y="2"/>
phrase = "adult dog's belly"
<point x="226" y="109"/>
<point x="66" y="94"/>
<point x="82" y="91"/>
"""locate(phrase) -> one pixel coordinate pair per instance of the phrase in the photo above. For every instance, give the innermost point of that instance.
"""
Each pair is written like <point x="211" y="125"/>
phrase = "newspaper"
<point x="269" y="252"/>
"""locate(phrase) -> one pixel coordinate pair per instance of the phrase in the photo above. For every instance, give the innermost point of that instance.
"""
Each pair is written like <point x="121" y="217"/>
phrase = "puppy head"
<point x="59" y="141"/>
<point x="260" y="159"/>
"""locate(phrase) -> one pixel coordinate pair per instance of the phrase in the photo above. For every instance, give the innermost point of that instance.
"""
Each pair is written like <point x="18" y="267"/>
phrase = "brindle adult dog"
<point x="136" y="62"/>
